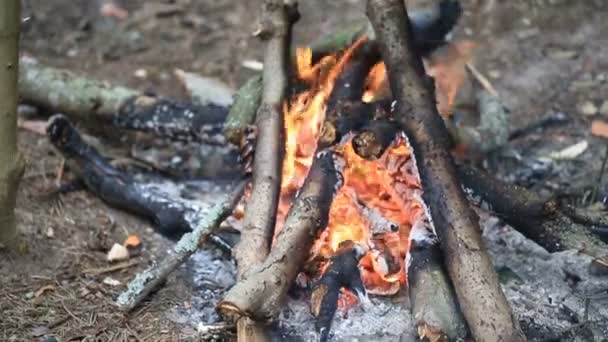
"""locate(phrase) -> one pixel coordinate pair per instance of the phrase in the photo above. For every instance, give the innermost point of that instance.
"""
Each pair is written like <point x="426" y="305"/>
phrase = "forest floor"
<point x="543" y="56"/>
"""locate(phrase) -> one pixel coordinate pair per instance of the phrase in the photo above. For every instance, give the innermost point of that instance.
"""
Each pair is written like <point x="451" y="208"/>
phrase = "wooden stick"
<point x="481" y="299"/>
<point x="260" y="213"/>
<point x="433" y="302"/>
<point x="261" y="294"/>
<point x="149" y="280"/>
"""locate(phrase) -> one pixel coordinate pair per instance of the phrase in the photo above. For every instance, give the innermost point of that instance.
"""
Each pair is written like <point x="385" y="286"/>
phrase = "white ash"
<point x="546" y="290"/>
<point x="383" y="321"/>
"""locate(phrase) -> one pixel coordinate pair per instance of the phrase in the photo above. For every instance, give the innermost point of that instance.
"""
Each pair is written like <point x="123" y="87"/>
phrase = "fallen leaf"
<point x="132" y="241"/>
<point x="599" y="128"/>
<point x="447" y="66"/>
<point x="118" y="252"/>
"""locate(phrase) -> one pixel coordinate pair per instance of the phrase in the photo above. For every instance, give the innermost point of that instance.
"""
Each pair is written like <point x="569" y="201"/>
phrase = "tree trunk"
<point x="11" y="162"/>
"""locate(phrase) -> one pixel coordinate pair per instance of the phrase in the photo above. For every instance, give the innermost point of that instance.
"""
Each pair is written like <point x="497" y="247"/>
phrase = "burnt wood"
<point x="373" y="139"/>
<point x="174" y="120"/>
<point x="342" y="272"/>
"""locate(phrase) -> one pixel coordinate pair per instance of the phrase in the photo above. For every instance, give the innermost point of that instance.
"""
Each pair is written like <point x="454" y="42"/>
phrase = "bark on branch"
<point x="260" y="213"/>
<point x="479" y="294"/>
<point x="262" y="293"/>
<point x="11" y="161"/>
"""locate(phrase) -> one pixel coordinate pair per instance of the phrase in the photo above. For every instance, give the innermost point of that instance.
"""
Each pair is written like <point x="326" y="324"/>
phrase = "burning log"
<point x="371" y="141"/>
<point x="349" y="117"/>
<point x="350" y="84"/>
<point x="342" y="272"/>
<point x="544" y="220"/>
<point x="481" y="299"/>
<point x="260" y="294"/>
<point x="432" y="297"/>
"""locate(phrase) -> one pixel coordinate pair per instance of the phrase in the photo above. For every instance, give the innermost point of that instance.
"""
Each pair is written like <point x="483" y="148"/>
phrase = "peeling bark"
<point x="261" y="294"/>
<point x="481" y="299"/>
<point x="11" y="161"/>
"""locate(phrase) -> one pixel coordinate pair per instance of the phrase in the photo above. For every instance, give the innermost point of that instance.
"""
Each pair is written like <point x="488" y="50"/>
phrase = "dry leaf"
<point x="132" y="241"/>
<point x="447" y="66"/>
<point x="599" y="128"/>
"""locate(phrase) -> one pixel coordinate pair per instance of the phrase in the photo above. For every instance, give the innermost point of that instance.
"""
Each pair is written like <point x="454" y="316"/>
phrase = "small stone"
<point x="50" y="233"/>
<point x="604" y="108"/>
<point x="118" y="252"/>
<point x="587" y="108"/>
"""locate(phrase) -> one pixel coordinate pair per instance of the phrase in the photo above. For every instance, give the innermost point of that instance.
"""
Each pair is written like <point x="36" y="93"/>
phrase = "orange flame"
<point x="387" y="186"/>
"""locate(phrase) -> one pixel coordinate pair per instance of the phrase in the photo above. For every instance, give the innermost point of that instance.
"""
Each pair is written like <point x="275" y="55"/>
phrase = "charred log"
<point x="431" y="26"/>
<point x="350" y="84"/>
<point x="373" y="139"/>
<point x="170" y="119"/>
<point x="261" y="293"/>
<point x="433" y="301"/>
<point x="342" y="272"/>
<point x="171" y="216"/>
<point x="547" y="221"/>
<point x="349" y="117"/>
<point x="481" y="299"/>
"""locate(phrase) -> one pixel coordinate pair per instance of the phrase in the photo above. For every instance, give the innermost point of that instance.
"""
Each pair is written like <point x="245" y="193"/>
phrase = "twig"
<point x="110" y="269"/>
<point x="149" y="279"/>
<point x="481" y="299"/>
<point x="485" y="83"/>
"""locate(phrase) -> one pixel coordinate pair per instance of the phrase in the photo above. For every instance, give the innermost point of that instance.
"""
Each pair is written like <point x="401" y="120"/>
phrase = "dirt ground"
<point x="543" y="56"/>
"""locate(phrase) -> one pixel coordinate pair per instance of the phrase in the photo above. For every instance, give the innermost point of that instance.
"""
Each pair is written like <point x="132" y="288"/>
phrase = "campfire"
<point x="354" y="189"/>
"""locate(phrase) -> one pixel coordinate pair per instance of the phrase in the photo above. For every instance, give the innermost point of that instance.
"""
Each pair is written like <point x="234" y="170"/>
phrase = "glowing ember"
<point x="387" y="188"/>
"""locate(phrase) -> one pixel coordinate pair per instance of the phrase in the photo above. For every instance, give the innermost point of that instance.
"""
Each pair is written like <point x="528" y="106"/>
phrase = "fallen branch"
<point x="172" y="216"/>
<point x="545" y="220"/>
<point x="433" y="302"/>
<point x="62" y="91"/>
<point x="481" y="299"/>
<point x="206" y="222"/>
<point x="262" y="293"/>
